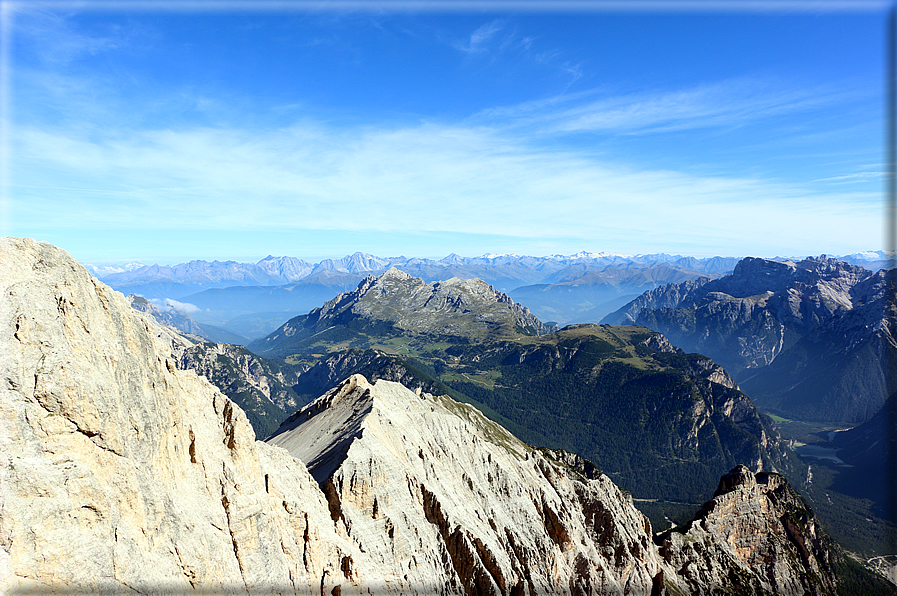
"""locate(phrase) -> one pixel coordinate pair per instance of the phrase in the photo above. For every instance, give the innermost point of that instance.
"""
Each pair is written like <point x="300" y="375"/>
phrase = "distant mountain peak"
<point x="499" y="255"/>
<point x="394" y="273"/>
<point x="398" y="302"/>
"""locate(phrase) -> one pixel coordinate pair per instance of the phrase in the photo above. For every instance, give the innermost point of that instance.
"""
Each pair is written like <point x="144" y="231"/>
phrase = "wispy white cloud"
<point x="728" y="103"/>
<point x="499" y="38"/>
<point x="57" y="42"/>
<point x="169" y="304"/>
<point x="429" y="177"/>
<point x="480" y="40"/>
<point x="856" y="177"/>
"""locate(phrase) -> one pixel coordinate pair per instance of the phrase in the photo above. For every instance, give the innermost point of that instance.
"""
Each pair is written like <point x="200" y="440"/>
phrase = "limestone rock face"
<point x="765" y="528"/>
<point x="119" y="471"/>
<point x="230" y="367"/>
<point x="759" y="303"/>
<point x="432" y="488"/>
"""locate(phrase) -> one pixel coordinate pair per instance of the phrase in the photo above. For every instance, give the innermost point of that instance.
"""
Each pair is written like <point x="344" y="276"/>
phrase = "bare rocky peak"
<point x="768" y="525"/>
<point x="402" y="471"/>
<point x="814" y="288"/>
<point x="455" y="306"/>
<point x="666" y="296"/>
<point x="121" y="473"/>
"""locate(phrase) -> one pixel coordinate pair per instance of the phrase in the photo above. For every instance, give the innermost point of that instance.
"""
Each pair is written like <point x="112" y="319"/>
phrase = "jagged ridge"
<point x="807" y="340"/>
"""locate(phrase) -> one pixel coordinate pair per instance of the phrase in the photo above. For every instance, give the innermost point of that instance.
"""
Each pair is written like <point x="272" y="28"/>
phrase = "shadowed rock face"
<point x="121" y="473"/>
<point x="808" y="340"/>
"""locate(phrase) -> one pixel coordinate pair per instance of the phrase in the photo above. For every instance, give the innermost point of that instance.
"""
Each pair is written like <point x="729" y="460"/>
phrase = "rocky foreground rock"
<point x="121" y="473"/>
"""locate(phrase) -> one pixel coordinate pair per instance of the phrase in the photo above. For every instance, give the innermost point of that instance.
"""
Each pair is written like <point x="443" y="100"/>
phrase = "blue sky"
<point x="154" y="132"/>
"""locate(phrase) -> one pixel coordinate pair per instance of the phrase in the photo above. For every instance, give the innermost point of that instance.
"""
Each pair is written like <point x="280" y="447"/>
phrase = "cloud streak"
<point x="722" y="104"/>
<point x="433" y="178"/>
<point x="480" y="39"/>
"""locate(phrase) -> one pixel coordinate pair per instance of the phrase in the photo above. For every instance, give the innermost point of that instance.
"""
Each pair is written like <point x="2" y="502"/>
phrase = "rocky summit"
<point x="121" y="473"/>
<point x="397" y="303"/>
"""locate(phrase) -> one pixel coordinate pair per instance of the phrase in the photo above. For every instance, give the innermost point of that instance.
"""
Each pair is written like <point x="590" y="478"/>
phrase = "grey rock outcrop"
<point x="767" y="528"/>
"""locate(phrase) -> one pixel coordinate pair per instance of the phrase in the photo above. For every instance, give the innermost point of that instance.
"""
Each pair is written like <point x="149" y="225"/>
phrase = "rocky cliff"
<point x="121" y="473"/>
<point x="808" y="340"/>
<point x="262" y="388"/>
<point x="767" y="527"/>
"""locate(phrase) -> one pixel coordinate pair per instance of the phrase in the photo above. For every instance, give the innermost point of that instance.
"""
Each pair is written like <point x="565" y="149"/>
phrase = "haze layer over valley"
<point x="239" y="302"/>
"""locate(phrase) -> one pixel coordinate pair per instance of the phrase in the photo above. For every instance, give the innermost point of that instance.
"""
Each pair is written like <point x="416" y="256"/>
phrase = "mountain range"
<point x="124" y="473"/>
<point x="809" y="340"/>
<point x="623" y="396"/>
<point x="252" y="299"/>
